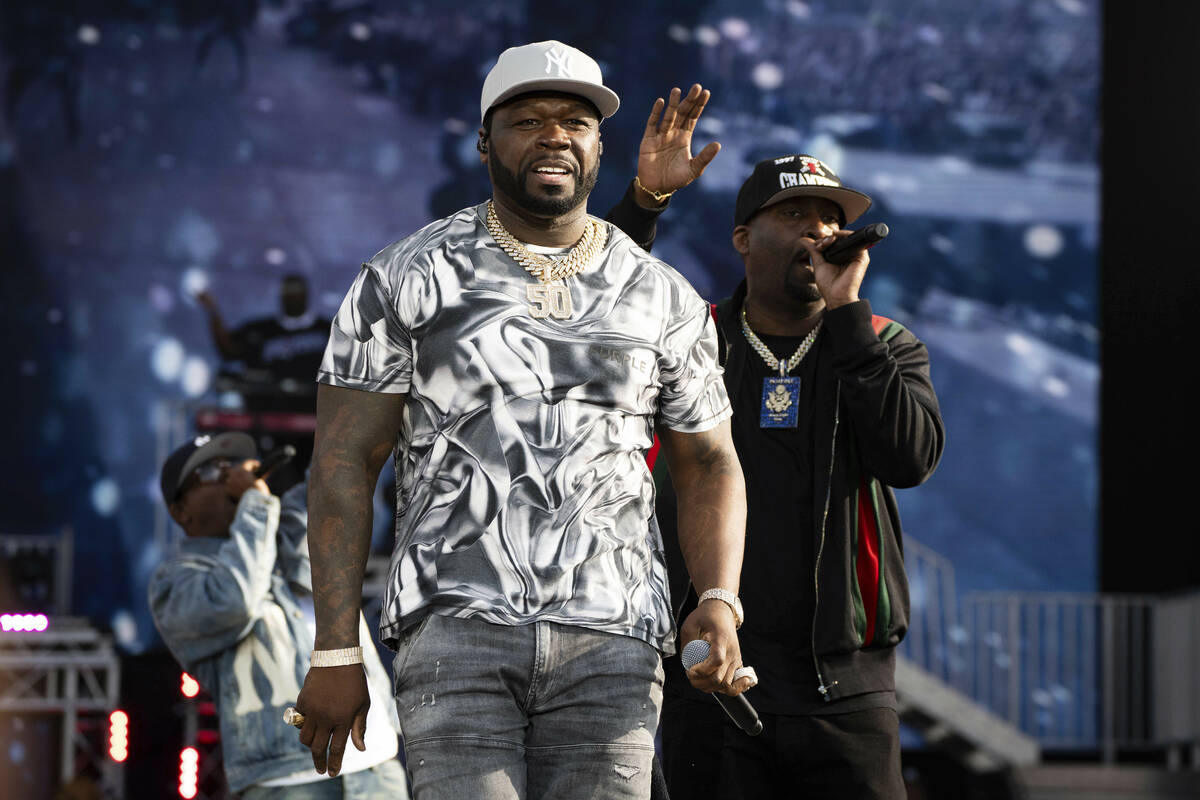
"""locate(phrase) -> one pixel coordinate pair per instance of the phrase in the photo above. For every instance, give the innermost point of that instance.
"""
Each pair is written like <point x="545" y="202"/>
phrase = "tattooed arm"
<point x="355" y="433"/>
<point x="708" y="481"/>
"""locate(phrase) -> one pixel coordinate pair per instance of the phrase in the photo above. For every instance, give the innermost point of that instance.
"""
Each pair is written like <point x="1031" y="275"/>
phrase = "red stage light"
<point x="188" y="685"/>
<point x="189" y="772"/>
<point x="118" y="736"/>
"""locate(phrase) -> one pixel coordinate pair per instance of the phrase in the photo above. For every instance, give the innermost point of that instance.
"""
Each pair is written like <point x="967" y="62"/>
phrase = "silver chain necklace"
<point x="784" y="367"/>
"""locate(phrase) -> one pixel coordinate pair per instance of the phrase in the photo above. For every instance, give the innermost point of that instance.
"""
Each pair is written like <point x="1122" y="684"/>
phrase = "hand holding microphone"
<point x="737" y="707"/>
<point x="238" y="480"/>
<point x="841" y="267"/>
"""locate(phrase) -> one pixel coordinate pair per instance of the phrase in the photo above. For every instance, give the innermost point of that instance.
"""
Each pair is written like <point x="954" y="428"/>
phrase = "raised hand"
<point x="665" y="161"/>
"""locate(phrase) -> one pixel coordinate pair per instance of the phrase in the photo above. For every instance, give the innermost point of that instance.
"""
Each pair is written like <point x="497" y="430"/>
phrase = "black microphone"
<point x="273" y="459"/>
<point x="843" y="251"/>
<point x="738" y="708"/>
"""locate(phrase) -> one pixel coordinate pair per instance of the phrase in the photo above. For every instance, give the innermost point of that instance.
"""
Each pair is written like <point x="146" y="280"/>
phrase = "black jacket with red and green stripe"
<point x="876" y="426"/>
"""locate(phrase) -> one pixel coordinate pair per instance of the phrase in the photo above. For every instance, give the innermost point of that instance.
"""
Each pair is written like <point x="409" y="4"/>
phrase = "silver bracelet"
<point x="728" y="598"/>
<point x="336" y="658"/>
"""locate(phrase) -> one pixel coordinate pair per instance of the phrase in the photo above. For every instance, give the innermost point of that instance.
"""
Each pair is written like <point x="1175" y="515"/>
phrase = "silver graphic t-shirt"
<point x="522" y="488"/>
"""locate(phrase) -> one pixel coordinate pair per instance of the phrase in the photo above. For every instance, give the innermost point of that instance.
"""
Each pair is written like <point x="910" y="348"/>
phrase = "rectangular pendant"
<point x="780" y="403"/>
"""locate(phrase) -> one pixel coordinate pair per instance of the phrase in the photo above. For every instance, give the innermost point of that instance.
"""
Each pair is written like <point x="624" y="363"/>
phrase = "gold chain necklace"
<point x="544" y="268"/>
<point x="784" y="367"/>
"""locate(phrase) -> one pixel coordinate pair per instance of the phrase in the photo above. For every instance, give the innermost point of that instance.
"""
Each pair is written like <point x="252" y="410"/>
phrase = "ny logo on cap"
<point x="200" y="441"/>
<point x="558" y="59"/>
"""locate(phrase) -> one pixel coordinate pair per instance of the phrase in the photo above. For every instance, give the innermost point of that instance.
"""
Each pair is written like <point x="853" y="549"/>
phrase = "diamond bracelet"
<point x="336" y="658"/>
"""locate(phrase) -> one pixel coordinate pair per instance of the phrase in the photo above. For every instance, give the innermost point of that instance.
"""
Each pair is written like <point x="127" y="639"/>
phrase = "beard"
<point x="509" y="183"/>
<point x="799" y="284"/>
<point x="801" y="291"/>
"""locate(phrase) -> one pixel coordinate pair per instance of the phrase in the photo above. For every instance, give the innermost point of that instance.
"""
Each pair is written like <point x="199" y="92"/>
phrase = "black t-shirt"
<point x="777" y="588"/>
<point x="777" y="567"/>
<point x="285" y="352"/>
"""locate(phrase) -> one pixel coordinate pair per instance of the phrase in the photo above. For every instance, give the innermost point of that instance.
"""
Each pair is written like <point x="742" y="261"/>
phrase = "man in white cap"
<point x="518" y="357"/>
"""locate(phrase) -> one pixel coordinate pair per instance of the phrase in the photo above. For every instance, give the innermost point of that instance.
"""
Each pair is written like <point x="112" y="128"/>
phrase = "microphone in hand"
<point x="738" y="707"/>
<point x="844" y="250"/>
<point x="274" y="459"/>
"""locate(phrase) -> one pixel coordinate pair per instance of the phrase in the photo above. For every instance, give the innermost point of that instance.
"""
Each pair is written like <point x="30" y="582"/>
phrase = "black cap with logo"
<point x="179" y="465"/>
<point x="793" y="176"/>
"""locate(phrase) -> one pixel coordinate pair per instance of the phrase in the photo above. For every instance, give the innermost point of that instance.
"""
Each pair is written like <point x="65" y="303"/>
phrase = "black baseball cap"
<point x="205" y="447"/>
<point x="796" y="175"/>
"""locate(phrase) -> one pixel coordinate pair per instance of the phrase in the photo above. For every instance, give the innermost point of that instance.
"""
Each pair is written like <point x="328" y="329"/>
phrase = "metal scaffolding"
<point x="73" y="671"/>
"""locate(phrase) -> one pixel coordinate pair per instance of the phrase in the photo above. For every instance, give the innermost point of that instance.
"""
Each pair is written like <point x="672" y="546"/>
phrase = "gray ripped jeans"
<point x="497" y="712"/>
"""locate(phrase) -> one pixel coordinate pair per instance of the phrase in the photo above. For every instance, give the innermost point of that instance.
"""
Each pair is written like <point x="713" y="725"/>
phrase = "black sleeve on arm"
<point x="639" y="224"/>
<point x="888" y="394"/>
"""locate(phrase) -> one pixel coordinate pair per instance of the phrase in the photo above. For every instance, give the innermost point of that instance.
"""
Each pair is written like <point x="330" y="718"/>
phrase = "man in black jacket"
<point x="833" y="407"/>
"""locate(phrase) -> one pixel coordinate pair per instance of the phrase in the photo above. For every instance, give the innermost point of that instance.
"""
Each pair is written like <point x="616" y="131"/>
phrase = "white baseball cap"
<point x="548" y="66"/>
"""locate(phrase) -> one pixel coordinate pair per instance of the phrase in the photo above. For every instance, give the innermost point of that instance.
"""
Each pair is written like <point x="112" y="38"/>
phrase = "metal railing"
<point x="936" y="638"/>
<point x="1038" y="661"/>
<point x="1076" y="671"/>
<point x="73" y="672"/>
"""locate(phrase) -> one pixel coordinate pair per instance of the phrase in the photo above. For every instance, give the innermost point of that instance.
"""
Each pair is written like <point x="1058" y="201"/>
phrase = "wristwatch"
<point x="730" y="599"/>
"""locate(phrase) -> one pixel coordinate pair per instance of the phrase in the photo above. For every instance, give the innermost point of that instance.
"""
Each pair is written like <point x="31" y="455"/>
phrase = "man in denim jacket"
<point x="235" y="609"/>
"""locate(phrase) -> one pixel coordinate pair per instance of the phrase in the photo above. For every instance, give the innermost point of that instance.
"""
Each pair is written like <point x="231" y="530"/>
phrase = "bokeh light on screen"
<point x="1043" y="241"/>
<point x="195" y="376"/>
<point x="106" y="497"/>
<point x="166" y="359"/>
<point x="124" y="627"/>
<point x="195" y="280"/>
<point x="767" y="76"/>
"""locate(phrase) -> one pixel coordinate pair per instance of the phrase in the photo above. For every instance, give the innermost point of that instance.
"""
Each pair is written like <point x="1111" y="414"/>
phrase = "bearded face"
<point x="543" y="152"/>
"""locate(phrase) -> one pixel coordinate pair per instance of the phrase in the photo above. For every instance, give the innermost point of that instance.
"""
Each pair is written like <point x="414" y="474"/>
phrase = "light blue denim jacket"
<point x="227" y="609"/>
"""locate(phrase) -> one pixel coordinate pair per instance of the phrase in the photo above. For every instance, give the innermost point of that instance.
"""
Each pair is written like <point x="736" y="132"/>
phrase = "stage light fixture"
<point x="189" y="772"/>
<point x="24" y="623"/>
<point x="118" y="736"/>
<point x="188" y="686"/>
